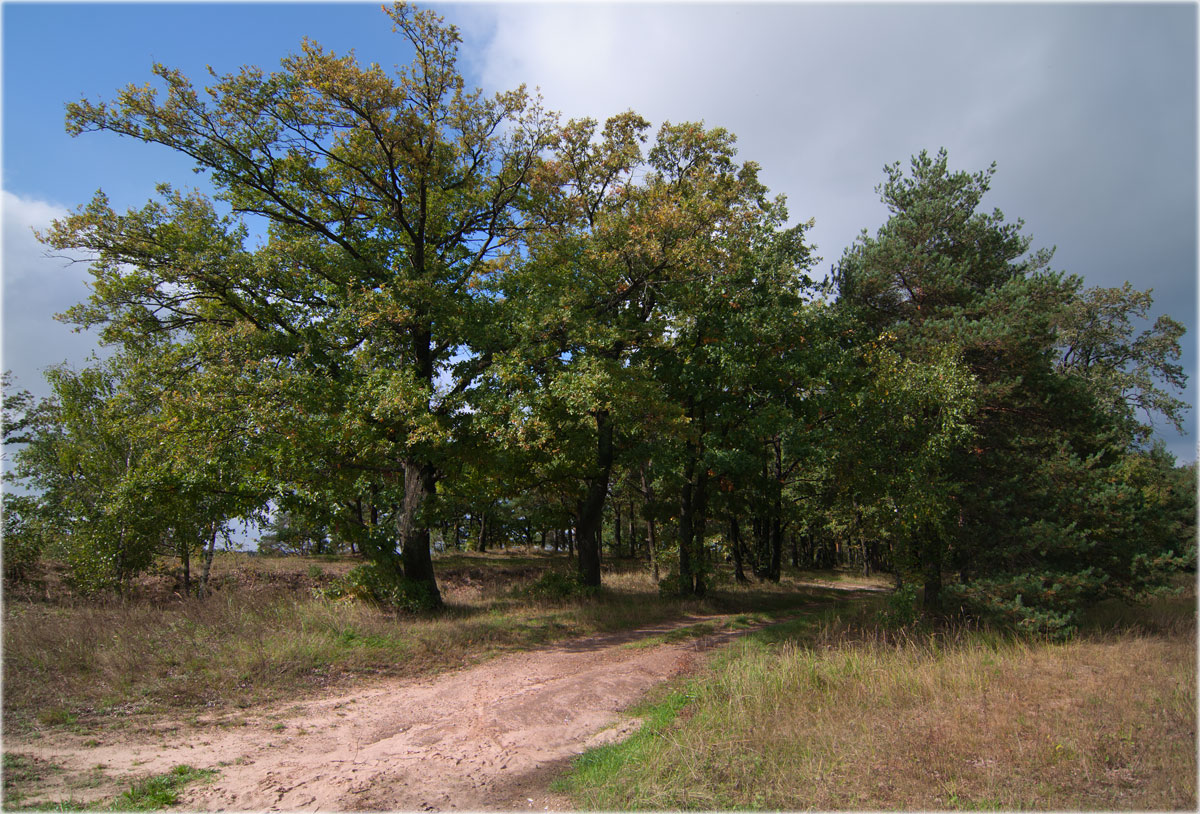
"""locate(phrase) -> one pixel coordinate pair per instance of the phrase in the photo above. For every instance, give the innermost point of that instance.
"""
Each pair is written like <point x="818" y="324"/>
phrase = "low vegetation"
<point x="144" y="794"/>
<point x="843" y="714"/>
<point x="835" y="706"/>
<point x="270" y="630"/>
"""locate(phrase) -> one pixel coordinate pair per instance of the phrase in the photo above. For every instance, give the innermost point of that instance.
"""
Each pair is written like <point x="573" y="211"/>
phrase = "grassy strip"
<point x="150" y="794"/>
<point x="833" y="717"/>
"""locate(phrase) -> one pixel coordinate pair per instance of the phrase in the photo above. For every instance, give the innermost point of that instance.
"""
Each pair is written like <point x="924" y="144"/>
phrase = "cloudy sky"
<point x="1089" y="111"/>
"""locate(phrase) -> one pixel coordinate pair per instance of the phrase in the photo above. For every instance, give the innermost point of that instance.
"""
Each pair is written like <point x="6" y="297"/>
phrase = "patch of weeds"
<point x="371" y="584"/>
<point x="900" y="608"/>
<point x="56" y="716"/>
<point x="373" y="641"/>
<point x="161" y="790"/>
<point x="59" y="805"/>
<point x="557" y="586"/>
<point x="92" y="778"/>
<point x="21" y="770"/>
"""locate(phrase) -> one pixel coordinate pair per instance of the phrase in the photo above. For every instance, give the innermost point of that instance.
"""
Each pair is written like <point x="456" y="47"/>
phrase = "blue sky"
<point x="1089" y="111"/>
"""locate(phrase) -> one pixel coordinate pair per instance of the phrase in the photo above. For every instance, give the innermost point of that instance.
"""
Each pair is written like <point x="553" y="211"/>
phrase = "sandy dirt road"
<point x="491" y="736"/>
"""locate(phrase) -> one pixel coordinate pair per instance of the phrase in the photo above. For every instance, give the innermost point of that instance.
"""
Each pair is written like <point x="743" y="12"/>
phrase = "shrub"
<point x="369" y="583"/>
<point x="900" y="610"/>
<point x="22" y="537"/>
<point x="557" y="586"/>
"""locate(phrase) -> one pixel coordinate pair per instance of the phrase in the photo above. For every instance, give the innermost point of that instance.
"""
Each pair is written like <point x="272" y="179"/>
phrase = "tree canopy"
<point x="412" y="309"/>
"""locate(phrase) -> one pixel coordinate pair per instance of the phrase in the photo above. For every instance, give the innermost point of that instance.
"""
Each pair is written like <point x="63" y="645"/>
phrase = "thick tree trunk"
<point x="591" y="507"/>
<point x="420" y="483"/>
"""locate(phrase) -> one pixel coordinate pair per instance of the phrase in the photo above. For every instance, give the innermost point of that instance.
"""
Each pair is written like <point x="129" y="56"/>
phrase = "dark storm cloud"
<point x="1089" y="111"/>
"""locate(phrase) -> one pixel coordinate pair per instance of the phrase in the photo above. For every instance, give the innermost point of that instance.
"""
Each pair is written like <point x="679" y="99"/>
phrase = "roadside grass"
<point x="264" y="634"/>
<point x="833" y="713"/>
<point x="145" y="794"/>
<point x="160" y="790"/>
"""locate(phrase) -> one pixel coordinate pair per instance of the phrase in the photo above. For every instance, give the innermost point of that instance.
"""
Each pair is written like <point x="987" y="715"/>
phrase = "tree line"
<point x="466" y="320"/>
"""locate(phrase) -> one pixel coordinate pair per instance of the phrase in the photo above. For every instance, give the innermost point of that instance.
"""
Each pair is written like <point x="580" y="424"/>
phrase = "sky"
<point x="1088" y="110"/>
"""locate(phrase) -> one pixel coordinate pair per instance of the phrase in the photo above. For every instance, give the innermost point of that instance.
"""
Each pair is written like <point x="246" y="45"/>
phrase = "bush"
<point x="22" y="537"/>
<point x="557" y="586"/>
<point x="900" y="610"/>
<point x="369" y="583"/>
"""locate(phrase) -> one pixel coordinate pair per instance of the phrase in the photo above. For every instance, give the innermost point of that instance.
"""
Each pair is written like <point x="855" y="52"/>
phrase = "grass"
<point x="161" y="790"/>
<point x="147" y="794"/>
<point x="263" y="635"/>
<point x="835" y="715"/>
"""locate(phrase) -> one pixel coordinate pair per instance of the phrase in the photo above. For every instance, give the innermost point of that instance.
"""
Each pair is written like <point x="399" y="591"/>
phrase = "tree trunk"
<point x="591" y="507"/>
<point x="420" y="483"/>
<point x="616" y="528"/>
<point x="735" y="542"/>
<point x="208" y="558"/>
<point x="686" y="584"/>
<point x="776" y="520"/>
<point x="651" y="532"/>
<point x="481" y="541"/>
<point x="931" y="566"/>
<point x="693" y="501"/>
<point x="185" y="557"/>
<point x="699" y="523"/>
<point x="632" y="532"/>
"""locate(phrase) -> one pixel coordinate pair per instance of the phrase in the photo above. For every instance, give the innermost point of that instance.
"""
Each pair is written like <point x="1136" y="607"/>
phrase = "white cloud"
<point x="23" y="254"/>
<point x="35" y="288"/>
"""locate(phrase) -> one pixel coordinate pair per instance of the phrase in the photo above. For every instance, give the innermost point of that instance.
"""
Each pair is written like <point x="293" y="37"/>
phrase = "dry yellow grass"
<point x="1105" y="722"/>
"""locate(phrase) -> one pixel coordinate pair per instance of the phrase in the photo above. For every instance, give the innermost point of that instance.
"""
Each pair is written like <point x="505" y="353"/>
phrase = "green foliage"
<point x="1035" y="503"/>
<point x="900" y="610"/>
<point x="328" y="345"/>
<point x="24" y="535"/>
<point x="523" y="317"/>
<point x="1126" y="372"/>
<point x="556" y="586"/>
<point x="118" y="472"/>
<point x="371" y="583"/>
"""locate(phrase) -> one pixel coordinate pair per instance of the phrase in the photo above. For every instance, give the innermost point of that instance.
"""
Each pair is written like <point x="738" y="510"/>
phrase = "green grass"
<point x="22" y="772"/>
<point x="161" y="790"/>
<point x="823" y="714"/>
